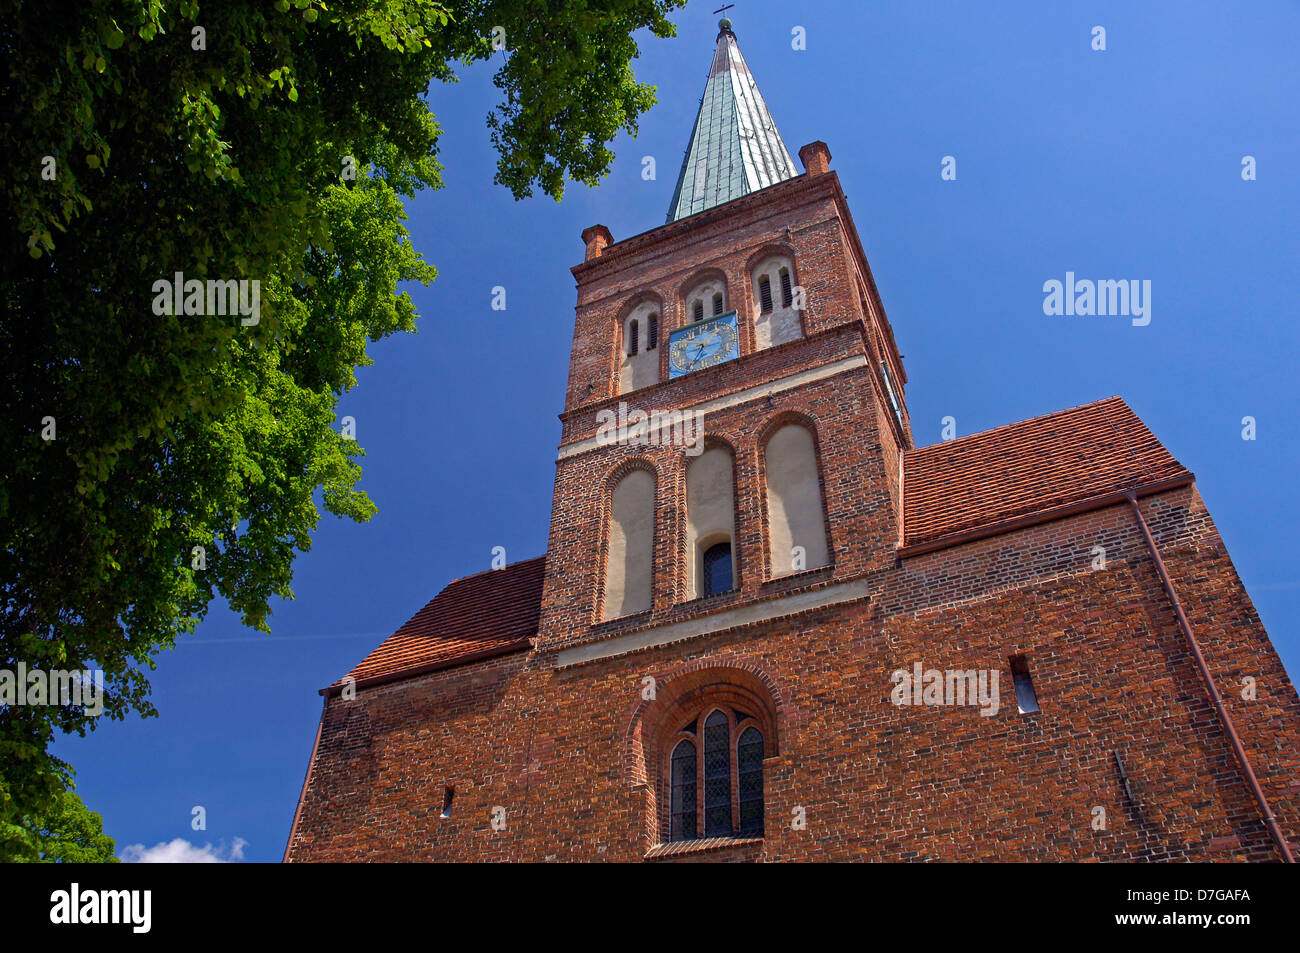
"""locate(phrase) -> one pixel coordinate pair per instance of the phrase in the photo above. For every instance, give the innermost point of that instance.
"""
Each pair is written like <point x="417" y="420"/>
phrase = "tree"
<point x="157" y="456"/>
<point x="67" y="832"/>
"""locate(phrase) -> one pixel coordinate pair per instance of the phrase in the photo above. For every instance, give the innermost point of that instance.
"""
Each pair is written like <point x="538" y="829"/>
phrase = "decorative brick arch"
<point x="779" y="420"/>
<point x="772" y="250"/>
<point x="635" y="301"/>
<point x="696" y="279"/>
<point x="625" y="467"/>
<point x="691" y="687"/>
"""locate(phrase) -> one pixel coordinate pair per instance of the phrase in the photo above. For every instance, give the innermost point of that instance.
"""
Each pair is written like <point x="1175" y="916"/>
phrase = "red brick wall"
<point x="876" y="781"/>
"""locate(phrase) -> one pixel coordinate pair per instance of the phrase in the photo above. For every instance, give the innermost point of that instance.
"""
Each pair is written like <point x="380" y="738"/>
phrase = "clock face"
<point x="703" y="344"/>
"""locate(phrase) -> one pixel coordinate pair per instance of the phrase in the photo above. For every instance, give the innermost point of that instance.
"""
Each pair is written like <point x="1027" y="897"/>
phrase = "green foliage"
<point x="218" y="154"/>
<point x="65" y="832"/>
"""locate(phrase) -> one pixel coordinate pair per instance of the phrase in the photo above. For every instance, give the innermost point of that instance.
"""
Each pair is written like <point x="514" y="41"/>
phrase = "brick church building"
<point x="769" y="627"/>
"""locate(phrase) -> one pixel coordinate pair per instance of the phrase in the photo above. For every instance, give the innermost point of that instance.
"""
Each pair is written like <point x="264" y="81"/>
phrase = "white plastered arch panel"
<point x="776" y="314"/>
<point x="795" y="516"/>
<point x="629" y="552"/>
<point x="710" y="512"/>
<point x="639" y="366"/>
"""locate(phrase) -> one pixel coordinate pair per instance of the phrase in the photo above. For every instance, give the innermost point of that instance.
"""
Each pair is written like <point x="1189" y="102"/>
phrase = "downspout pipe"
<point x="1274" y="828"/>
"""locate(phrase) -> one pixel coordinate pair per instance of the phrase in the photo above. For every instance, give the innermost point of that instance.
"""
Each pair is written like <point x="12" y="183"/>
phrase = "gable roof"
<point x="490" y="613"/>
<point x="1031" y="468"/>
<point x="734" y="148"/>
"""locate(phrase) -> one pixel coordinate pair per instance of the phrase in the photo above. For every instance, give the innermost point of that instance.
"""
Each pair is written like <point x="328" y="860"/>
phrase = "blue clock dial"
<point x="703" y="344"/>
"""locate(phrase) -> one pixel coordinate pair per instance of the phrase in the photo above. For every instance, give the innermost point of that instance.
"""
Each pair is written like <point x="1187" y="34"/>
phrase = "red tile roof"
<point x="491" y="613"/>
<point x="1029" y="468"/>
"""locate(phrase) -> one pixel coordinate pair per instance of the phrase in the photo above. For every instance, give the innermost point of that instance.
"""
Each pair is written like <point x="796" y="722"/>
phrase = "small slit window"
<point x="699" y="311"/>
<point x="448" y="794"/>
<point x="890" y="393"/>
<point x="717" y="569"/>
<point x="765" y="294"/>
<point x="633" y="338"/>
<point x="787" y="293"/>
<point x="1026" y="697"/>
<point x="717" y="303"/>
<point x="652" y="332"/>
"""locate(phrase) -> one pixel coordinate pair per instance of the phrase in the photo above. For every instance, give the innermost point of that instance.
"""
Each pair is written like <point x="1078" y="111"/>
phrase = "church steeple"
<point x="735" y="148"/>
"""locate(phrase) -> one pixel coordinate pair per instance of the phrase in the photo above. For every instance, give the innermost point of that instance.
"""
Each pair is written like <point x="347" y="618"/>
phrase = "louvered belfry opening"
<point x="735" y="148"/>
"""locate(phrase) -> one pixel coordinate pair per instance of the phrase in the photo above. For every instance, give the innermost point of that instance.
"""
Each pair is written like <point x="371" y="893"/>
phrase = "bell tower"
<point x="735" y="413"/>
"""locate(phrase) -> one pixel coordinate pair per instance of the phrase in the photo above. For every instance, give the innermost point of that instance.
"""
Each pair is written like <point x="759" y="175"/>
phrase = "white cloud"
<point x="181" y="851"/>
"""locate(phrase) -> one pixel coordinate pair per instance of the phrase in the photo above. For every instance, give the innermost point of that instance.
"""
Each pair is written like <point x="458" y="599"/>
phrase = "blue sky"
<point x="1117" y="164"/>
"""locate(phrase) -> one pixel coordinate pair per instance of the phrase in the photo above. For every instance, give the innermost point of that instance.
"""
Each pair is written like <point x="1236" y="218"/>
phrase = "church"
<point x="768" y="627"/>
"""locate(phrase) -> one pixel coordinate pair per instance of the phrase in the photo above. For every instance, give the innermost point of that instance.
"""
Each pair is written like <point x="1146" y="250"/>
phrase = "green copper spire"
<point x="735" y="148"/>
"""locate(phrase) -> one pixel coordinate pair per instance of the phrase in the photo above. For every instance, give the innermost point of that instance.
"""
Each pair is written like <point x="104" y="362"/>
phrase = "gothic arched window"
<point x="716" y="777"/>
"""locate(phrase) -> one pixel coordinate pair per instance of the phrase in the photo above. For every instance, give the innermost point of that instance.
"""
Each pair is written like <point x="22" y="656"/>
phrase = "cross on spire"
<point x="724" y="8"/>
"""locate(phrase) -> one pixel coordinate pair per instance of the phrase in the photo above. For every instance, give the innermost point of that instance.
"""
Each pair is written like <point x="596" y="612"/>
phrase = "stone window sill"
<point x="701" y="845"/>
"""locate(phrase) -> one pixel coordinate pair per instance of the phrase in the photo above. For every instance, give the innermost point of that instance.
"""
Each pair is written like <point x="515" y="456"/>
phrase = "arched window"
<point x="775" y="324"/>
<point x="639" y="366"/>
<point x="717" y="569"/>
<point x="795" y="517"/>
<point x="629" y="557"/>
<point x="710" y="522"/>
<point x="716" y="777"/>
<point x="707" y="299"/>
